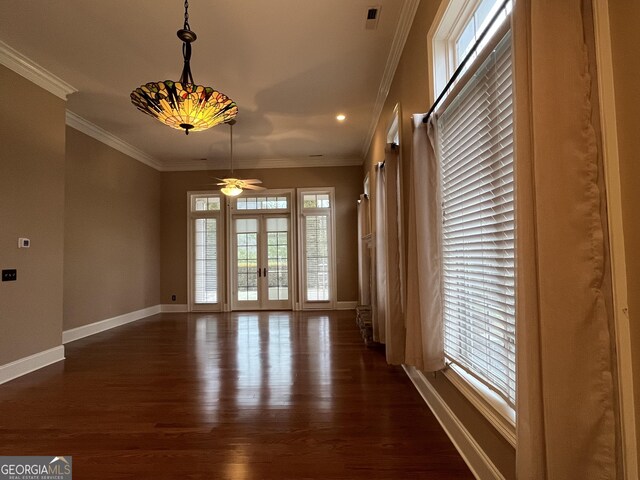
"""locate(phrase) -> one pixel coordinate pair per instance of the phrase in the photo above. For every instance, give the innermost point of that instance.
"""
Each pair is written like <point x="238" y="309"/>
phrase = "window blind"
<point x="206" y="261"/>
<point x="317" y="257"/>
<point x="475" y="147"/>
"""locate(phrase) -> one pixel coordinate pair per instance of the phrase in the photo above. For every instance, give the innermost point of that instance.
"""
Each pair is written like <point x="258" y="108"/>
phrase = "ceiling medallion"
<point x="183" y="105"/>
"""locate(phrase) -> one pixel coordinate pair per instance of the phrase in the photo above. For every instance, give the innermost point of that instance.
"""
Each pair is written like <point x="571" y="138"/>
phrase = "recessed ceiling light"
<point x="341" y="117"/>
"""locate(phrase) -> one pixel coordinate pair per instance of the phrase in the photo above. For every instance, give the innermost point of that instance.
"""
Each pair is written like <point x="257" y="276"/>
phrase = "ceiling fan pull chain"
<point x="231" y="144"/>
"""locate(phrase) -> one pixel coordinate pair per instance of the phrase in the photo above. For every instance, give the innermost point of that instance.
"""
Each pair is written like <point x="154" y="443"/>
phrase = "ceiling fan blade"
<point x="253" y="187"/>
<point x="252" y="180"/>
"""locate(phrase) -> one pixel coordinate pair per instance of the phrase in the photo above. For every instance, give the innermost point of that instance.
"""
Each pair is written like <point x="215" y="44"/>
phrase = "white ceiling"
<point x="290" y="65"/>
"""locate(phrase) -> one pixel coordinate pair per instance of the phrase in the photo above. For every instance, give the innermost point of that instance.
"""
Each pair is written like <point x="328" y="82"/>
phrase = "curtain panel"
<point x="380" y="264"/>
<point x="394" y="317"/>
<point x="424" y="344"/>
<point x="566" y="418"/>
<point x="364" y="279"/>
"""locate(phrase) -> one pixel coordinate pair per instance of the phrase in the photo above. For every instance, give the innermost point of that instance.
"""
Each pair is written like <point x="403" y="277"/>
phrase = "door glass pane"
<point x="317" y="257"/>
<point x="247" y="259"/>
<point x="278" y="258"/>
<point x="206" y="261"/>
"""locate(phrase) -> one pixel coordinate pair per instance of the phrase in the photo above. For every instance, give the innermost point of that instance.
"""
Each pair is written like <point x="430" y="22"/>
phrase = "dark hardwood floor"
<point x="228" y="396"/>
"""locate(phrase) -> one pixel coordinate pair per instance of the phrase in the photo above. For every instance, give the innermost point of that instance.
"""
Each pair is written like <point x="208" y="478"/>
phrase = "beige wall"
<point x="112" y="233"/>
<point x="32" y="123"/>
<point x="625" y="38"/>
<point x="175" y="185"/>
<point x="410" y="88"/>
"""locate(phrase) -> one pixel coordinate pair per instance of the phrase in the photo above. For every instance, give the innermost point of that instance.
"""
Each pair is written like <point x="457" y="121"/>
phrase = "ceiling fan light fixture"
<point x="231" y="190"/>
<point x="183" y="105"/>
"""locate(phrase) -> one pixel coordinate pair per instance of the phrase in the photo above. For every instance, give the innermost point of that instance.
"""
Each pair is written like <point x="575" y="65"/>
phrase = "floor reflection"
<point x="279" y="360"/>
<point x="275" y="353"/>
<point x="208" y="358"/>
<point x="248" y="361"/>
<point x="319" y="343"/>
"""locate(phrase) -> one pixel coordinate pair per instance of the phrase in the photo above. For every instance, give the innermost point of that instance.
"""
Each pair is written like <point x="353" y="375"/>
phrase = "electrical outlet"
<point x="10" y="275"/>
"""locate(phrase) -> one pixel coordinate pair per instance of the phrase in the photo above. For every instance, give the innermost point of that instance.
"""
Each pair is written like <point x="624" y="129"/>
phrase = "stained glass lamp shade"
<point x="183" y="105"/>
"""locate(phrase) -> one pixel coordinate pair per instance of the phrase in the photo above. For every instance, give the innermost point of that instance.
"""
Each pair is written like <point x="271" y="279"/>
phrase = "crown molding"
<point x="301" y="162"/>
<point x="14" y="60"/>
<point x="407" y="15"/>
<point x="100" y="134"/>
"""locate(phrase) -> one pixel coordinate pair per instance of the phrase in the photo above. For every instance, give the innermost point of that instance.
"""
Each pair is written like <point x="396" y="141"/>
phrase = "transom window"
<point x="315" y="200"/>
<point x="460" y="25"/>
<point x="478" y="23"/>
<point x="262" y="203"/>
<point x="201" y="203"/>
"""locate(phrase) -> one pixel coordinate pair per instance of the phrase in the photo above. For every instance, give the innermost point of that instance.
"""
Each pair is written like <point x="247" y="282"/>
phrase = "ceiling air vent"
<point x="373" y="14"/>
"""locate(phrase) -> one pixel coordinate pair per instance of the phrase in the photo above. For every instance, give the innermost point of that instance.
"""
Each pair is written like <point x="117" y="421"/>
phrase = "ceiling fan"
<point x="231" y="186"/>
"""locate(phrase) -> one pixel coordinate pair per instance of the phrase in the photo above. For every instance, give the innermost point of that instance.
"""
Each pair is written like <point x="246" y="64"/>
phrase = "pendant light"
<point x="183" y="105"/>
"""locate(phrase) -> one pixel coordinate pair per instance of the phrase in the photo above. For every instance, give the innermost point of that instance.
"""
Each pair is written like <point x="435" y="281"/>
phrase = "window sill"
<point x="492" y="406"/>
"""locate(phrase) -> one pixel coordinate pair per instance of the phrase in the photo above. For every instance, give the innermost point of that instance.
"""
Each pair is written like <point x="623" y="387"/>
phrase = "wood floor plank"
<point x="252" y="395"/>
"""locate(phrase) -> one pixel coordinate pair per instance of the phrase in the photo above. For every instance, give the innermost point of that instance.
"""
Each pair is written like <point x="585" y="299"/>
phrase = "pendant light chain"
<point x="187" y="76"/>
<point x="186" y="15"/>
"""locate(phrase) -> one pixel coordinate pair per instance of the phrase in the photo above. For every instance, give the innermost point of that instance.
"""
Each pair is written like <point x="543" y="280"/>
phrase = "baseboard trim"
<point x="350" y="305"/>
<point x="31" y="363"/>
<point x="109" y="323"/>
<point x="476" y="459"/>
<point x="174" y="308"/>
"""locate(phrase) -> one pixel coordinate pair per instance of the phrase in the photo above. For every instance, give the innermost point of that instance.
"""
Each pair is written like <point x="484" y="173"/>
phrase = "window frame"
<point x="219" y="216"/>
<point x="451" y="19"/>
<point x="331" y="238"/>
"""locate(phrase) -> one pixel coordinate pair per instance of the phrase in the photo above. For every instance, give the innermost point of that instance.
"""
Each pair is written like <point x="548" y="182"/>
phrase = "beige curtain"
<point x="424" y="325"/>
<point x="364" y="280"/>
<point x="394" y="319"/>
<point x="566" y="421"/>
<point x="380" y="265"/>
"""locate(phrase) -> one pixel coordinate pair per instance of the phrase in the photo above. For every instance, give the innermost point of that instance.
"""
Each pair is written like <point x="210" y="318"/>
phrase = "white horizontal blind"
<point x="475" y="145"/>
<point x="206" y="260"/>
<point x="316" y="243"/>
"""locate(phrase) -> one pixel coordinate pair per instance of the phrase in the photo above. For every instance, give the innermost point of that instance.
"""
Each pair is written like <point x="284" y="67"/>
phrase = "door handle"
<point x="259" y="272"/>
<point x="264" y="271"/>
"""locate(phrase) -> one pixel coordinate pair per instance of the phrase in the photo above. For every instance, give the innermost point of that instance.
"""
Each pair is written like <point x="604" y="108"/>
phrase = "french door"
<point x="261" y="262"/>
